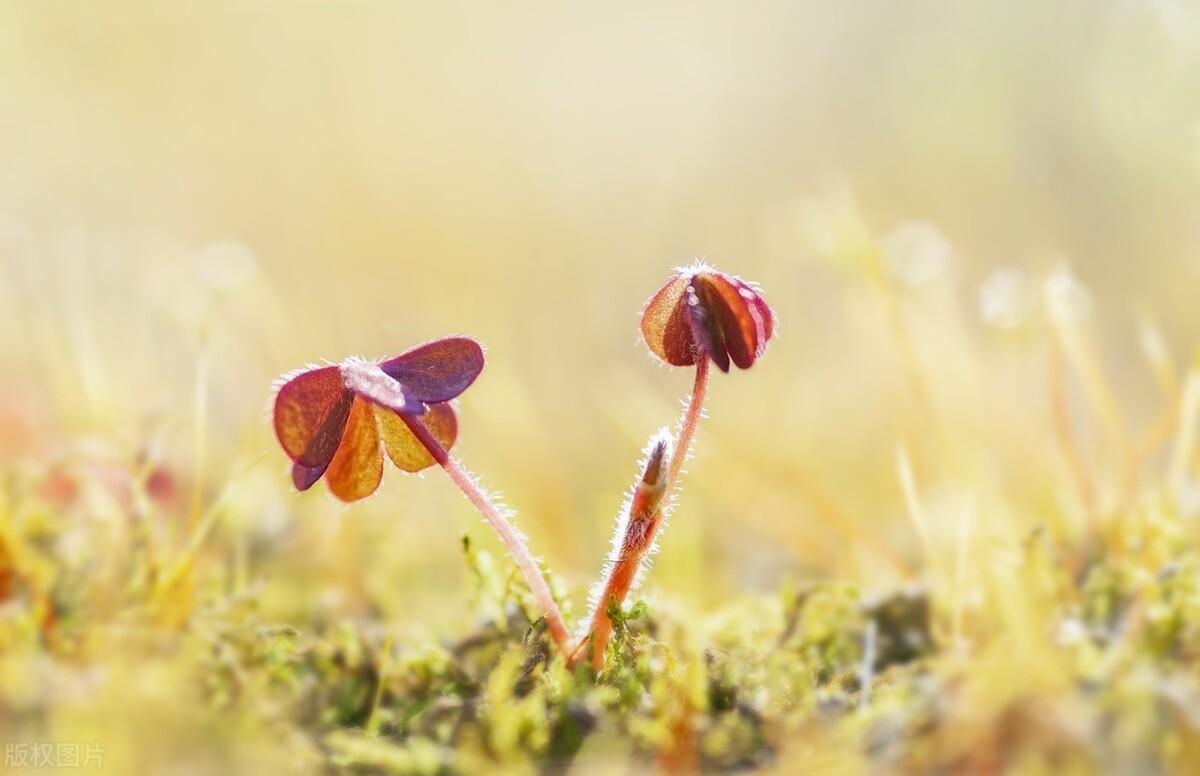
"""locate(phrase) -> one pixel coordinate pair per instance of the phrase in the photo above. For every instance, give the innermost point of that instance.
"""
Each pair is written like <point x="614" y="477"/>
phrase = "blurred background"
<point x="193" y="202"/>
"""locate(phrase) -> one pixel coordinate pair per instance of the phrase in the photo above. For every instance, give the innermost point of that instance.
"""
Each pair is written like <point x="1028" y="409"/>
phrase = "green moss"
<point x="772" y="679"/>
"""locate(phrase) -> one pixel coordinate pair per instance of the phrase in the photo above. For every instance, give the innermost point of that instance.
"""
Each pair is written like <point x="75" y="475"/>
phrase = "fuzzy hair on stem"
<point x="639" y="522"/>
<point x="499" y="518"/>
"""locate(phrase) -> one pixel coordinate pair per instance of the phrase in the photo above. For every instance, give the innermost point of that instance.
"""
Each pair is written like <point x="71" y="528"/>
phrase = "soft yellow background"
<point x="194" y="201"/>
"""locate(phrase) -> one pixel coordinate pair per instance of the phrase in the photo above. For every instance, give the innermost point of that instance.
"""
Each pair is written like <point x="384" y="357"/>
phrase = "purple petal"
<point x="437" y="371"/>
<point x="303" y="477"/>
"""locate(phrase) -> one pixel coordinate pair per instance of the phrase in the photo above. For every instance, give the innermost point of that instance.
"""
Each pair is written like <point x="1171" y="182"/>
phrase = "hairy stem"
<point x="616" y="588"/>
<point x="644" y="520"/>
<point x="512" y="539"/>
<point x="636" y="532"/>
<point x="687" y="425"/>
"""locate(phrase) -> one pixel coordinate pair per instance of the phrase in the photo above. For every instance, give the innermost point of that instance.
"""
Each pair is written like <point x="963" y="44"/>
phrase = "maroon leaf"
<point x="437" y="371"/>
<point x="701" y="313"/>
<point x="304" y="477"/>
<point x="311" y="410"/>
<point x="707" y="336"/>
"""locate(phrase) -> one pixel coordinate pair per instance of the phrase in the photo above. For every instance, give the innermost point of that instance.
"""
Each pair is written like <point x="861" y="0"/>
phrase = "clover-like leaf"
<point x="357" y="468"/>
<point x="402" y="445"/>
<point x="311" y="409"/>
<point x="437" y="371"/>
<point x="334" y="422"/>
<point x="701" y="313"/>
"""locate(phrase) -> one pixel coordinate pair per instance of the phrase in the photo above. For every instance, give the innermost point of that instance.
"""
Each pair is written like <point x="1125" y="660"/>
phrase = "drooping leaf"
<point x="304" y="477"/>
<point x="761" y="311"/>
<point x="403" y="447"/>
<point x="664" y="324"/>
<point x="703" y="313"/>
<point x="701" y="302"/>
<point x="310" y="413"/>
<point x="357" y="468"/>
<point x="732" y="312"/>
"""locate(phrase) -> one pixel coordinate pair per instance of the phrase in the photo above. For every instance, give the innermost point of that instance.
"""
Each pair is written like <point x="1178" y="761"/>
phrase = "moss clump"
<point x="826" y="676"/>
<point x="1076" y="655"/>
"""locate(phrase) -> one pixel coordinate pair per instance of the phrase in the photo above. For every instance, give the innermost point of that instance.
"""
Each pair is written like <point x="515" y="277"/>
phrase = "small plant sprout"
<point x="700" y="315"/>
<point x="703" y="315"/>
<point x="332" y="420"/>
<point x="634" y="538"/>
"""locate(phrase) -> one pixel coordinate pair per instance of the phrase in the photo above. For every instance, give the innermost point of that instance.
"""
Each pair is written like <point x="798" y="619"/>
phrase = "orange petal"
<point x="310" y="413"/>
<point x="665" y="326"/>
<point x="357" y="467"/>
<point x="403" y="447"/>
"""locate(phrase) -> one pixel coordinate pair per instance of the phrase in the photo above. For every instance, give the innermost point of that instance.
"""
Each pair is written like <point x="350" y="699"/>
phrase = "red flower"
<point x="702" y="313"/>
<point x="332" y="420"/>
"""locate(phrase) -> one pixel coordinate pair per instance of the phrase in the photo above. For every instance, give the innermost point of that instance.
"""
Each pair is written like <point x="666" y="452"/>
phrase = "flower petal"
<point x="303" y="477"/>
<point x="762" y="312"/>
<point x="310" y="413"/>
<point x="403" y="447"/>
<point x="665" y="325"/>
<point x="357" y="467"/>
<point x="701" y="301"/>
<point x="437" y="371"/>
<point x="733" y="314"/>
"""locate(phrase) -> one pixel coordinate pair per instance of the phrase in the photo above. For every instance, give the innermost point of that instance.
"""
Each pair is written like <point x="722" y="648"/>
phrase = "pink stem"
<point x="687" y="426"/>
<point x="512" y="539"/>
